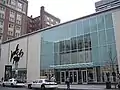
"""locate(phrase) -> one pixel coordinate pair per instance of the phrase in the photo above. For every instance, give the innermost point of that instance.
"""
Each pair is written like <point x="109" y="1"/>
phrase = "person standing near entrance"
<point x="71" y="79"/>
<point x="68" y="83"/>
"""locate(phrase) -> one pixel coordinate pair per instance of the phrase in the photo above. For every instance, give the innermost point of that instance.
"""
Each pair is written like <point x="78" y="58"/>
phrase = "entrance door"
<point x="84" y="76"/>
<point x="62" y="76"/>
<point x="73" y="74"/>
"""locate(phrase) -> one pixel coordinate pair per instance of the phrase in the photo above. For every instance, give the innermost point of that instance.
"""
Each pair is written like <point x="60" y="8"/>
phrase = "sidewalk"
<point x="86" y="87"/>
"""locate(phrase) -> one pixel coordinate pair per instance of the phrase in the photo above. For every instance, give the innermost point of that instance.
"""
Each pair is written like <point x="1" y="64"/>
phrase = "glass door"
<point x="73" y="74"/>
<point x="75" y="77"/>
<point x="62" y="77"/>
<point x="84" y="76"/>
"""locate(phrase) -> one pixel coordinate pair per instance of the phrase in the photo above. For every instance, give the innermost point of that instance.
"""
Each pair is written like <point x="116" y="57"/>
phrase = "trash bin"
<point x="108" y="85"/>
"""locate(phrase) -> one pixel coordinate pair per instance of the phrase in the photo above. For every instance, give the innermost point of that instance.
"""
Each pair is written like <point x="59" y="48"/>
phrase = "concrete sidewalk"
<point x="86" y="87"/>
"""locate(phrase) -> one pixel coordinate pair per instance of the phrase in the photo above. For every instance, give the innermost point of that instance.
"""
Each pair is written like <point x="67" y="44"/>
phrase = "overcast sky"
<point x="64" y="9"/>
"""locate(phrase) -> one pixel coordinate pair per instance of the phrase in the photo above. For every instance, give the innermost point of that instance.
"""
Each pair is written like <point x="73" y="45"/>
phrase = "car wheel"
<point x="42" y="87"/>
<point x="3" y="85"/>
<point x="29" y="86"/>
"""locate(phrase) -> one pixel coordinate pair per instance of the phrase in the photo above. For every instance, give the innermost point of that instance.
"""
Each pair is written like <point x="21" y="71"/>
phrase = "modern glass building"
<point x="84" y="49"/>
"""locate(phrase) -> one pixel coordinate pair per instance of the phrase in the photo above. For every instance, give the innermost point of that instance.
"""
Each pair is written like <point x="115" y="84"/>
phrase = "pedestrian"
<point x="68" y="83"/>
<point x="118" y="80"/>
<point x="53" y="78"/>
<point x="71" y="79"/>
<point x="2" y="79"/>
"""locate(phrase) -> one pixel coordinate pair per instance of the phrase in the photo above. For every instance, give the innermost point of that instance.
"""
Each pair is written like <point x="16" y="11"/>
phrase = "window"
<point x="108" y="21"/>
<point x="17" y="34"/>
<point x="1" y="30"/>
<point x="12" y="12"/>
<point x="2" y="8"/>
<point x="13" y="2"/>
<point x="2" y="15"/>
<point x="80" y="42"/>
<point x="18" y="28"/>
<point x="11" y="19"/>
<point x="86" y="26"/>
<point x="1" y="22"/>
<point x="73" y="43"/>
<point x="100" y="21"/>
<point x="11" y="25"/>
<point x="19" y="18"/>
<point x="20" y="6"/>
<point x="102" y="38"/>
<point x="110" y="36"/>
<point x="93" y="24"/>
<point x="10" y="33"/>
<point x="94" y="37"/>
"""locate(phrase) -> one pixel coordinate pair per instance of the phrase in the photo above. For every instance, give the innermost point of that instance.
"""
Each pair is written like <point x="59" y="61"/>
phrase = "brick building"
<point x="44" y="20"/>
<point x="13" y="17"/>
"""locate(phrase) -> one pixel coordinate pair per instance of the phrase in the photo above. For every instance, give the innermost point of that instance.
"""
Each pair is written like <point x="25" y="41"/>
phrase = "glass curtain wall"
<point x="82" y="41"/>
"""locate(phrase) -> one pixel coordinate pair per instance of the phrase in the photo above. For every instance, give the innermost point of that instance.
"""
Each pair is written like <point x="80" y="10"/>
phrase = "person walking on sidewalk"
<point x="68" y="83"/>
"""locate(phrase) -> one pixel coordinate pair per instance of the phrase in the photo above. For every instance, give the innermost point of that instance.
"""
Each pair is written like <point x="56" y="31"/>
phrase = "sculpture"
<point x="15" y="57"/>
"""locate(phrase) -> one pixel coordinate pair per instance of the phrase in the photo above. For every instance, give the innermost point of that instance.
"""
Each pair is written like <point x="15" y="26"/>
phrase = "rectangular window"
<point x="12" y="12"/>
<point x="13" y="2"/>
<point x="11" y="19"/>
<point x="101" y="22"/>
<point x="1" y="23"/>
<point x="18" y="28"/>
<point x="10" y="25"/>
<point x="20" y="6"/>
<point x="2" y="8"/>
<point x="86" y="26"/>
<point x="2" y="15"/>
<point x="19" y="19"/>
<point x="108" y="21"/>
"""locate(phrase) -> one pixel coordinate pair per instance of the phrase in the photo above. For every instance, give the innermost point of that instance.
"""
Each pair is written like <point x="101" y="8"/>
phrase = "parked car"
<point x="13" y="82"/>
<point x="42" y="84"/>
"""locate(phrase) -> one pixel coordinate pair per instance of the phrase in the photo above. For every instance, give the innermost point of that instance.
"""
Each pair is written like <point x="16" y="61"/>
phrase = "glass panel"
<point x="87" y="41"/>
<point x="112" y="53"/>
<point x="67" y="45"/>
<point x="93" y="24"/>
<point x="110" y="36"/>
<point x="81" y="56"/>
<point x="56" y="59"/>
<point x="80" y="30"/>
<point x="56" y="47"/>
<point x="86" y="26"/>
<point x="108" y="21"/>
<point x="73" y="30"/>
<point x="100" y="21"/>
<point x="95" y="56"/>
<point x="102" y="38"/>
<point x="94" y="37"/>
<point x="62" y="46"/>
<point x="80" y="42"/>
<point x="74" y="57"/>
<point x="103" y="55"/>
<point x="73" y="43"/>
<point x="65" y="58"/>
<point x="88" y="56"/>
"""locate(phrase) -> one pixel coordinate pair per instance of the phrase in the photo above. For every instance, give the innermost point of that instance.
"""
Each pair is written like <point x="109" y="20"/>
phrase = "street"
<point x="10" y="88"/>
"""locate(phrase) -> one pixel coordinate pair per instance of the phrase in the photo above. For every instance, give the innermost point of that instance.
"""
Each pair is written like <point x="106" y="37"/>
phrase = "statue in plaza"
<point x="15" y="57"/>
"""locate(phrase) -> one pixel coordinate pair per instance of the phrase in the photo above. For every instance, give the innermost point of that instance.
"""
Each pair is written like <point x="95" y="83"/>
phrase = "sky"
<point x="66" y="10"/>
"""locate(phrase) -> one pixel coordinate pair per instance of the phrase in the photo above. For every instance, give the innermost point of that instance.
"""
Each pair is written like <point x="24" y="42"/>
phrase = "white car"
<point x="42" y="84"/>
<point x="12" y="82"/>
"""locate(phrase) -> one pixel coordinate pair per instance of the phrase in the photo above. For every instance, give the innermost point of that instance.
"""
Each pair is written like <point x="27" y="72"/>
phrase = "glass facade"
<point x="77" y="44"/>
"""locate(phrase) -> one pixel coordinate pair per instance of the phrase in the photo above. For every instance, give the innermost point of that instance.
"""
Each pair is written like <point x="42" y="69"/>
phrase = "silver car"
<point x="42" y="84"/>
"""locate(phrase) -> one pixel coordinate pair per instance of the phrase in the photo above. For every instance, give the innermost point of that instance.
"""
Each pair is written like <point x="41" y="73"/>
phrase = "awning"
<point x="68" y="66"/>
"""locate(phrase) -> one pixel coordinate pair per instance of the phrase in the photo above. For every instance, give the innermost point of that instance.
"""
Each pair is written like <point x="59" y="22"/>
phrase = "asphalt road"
<point x="10" y="88"/>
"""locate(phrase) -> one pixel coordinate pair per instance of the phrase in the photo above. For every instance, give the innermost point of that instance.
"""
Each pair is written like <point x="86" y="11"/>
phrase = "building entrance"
<point x="72" y="74"/>
<point x="84" y="76"/>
